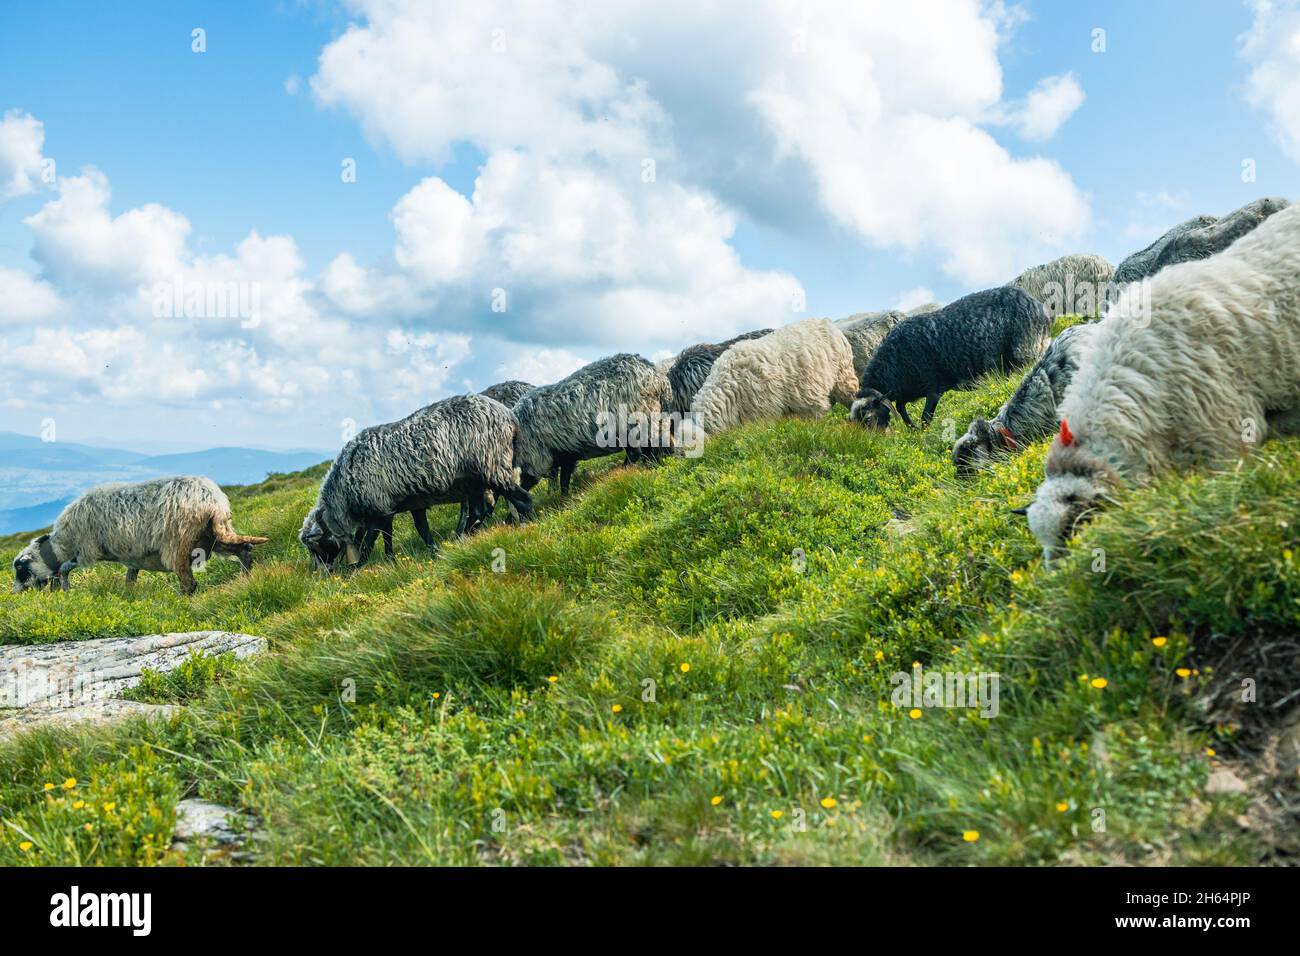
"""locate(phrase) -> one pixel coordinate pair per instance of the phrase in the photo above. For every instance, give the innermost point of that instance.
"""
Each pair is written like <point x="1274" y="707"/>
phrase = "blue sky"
<point x="240" y="139"/>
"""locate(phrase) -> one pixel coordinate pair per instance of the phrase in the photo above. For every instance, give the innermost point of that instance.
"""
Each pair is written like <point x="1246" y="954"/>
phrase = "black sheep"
<point x="996" y="330"/>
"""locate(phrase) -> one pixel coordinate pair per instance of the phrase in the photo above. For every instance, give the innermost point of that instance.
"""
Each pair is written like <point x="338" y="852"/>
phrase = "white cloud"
<point x="1272" y="48"/>
<point x="77" y="240"/>
<point x="849" y="109"/>
<point x="578" y="257"/>
<point x="1049" y="104"/>
<point x="539" y="366"/>
<point x="26" y="298"/>
<point x="22" y="138"/>
<point x="914" y="297"/>
<point x="144" y="322"/>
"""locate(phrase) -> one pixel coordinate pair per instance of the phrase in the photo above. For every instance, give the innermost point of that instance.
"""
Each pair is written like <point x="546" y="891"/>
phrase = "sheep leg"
<point x="65" y="572"/>
<point x="186" y="575"/>
<point x="931" y="403"/>
<point x="567" y="466"/>
<point x="387" y="531"/>
<point x="521" y="503"/>
<point x="421" y="519"/>
<point x="901" y="408"/>
<point x="473" y="513"/>
<point x="367" y="545"/>
<point x="131" y="575"/>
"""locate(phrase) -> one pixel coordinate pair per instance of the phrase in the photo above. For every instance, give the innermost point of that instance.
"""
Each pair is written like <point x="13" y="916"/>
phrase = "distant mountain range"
<point x="38" y="478"/>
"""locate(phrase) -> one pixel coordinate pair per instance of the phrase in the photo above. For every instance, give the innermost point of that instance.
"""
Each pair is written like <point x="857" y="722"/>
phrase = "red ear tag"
<point x="1067" y="436"/>
<point x="1005" y="432"/>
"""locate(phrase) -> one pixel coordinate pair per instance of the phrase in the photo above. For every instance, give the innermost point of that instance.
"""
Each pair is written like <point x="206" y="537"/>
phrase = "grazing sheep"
<point x="507" y="393"/>
<point x="1194" y="239"/>
<point x="799" y="369"/>
<point x="866" y="333"/>
<point x="1070" y="285"/>
<point x="569" y="421"/>
<point x="996" y="330"/>
<point x="689" y="368"/>
<point x="857" y="317"/>
<point x="1030" y="414"/>
<point x="1205" y="373"/>
<point x="447" y="453"/>
<point x="167" y="524"/>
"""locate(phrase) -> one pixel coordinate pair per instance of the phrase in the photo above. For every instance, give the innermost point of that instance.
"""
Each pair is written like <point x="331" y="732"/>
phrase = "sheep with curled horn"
<point x="167" y="524"/>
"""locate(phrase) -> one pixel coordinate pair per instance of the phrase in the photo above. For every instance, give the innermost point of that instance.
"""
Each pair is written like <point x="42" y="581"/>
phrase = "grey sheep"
<point x="866" y="332"/>
<point x="688" y="370"/>
<point x="1030" y="414"/>
<point x="453" y="450"/>
<point x="926" y="355"/>
<point x="167" y="524"/>
<point x="1197" y="238"/>
<point x="857" y="317"/>
<point x="570" y="420"/>
<point x="507" y="393"/>
<point x="1070" y="285"/>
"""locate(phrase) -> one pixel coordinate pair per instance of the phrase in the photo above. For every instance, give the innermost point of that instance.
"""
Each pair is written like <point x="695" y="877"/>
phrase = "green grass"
<point x="691" y="663"/>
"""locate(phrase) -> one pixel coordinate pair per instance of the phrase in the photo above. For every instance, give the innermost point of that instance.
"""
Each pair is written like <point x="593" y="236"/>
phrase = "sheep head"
<point x="983" y="439"/>
<point x="1076" y="482"/>
<point x="324" y="546"/>
<point x="870" y="408"/>
<point x="31" y="567"/>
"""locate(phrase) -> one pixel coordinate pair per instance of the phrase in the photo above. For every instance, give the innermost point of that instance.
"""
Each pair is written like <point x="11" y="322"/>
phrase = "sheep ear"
<point x="1021" y="511"/>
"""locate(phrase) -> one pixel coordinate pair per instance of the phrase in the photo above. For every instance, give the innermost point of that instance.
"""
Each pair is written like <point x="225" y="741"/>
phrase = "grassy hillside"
<point x="691" y="663"/>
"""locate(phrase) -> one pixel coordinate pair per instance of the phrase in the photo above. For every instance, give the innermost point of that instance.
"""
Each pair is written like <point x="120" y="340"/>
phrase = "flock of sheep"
<point x="1195" y="357"/>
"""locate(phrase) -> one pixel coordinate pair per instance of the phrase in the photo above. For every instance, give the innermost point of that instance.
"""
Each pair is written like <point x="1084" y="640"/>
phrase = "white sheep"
<point x="799" y="369"/>
<point x="1203" y="373"/>
<point x="167" y="524"/>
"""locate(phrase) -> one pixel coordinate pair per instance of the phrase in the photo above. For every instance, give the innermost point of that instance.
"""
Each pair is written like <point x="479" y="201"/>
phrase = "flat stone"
<point x="197" y="819"/>
<point x="71" y="681"/>
<point x="96" y="712"/>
